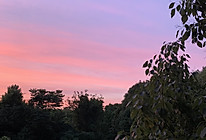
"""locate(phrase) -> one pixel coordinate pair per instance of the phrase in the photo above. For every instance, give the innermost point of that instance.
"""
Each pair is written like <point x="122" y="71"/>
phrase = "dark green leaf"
<point x="145" y="64"/>
<point x="184" y="19"/>
<point x="175" y="50"/>
<point x="199" y="44"/>
<point x="155" y="68"/>
<point x="177" y="33"/>
<point x="185" y="36"/>
<point x="188" y="55"/>
<point x="171" y="5"/>
<point x="178" y="8"/>
<point x="147" y="72"/>
<point x="172" y="13"/>
<point x="152" y="71"/>
<point x="200" y="37"/>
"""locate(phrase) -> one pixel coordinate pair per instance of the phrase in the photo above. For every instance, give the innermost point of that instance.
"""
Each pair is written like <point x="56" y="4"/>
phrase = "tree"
<point x="41" y="98"/>
<point x="12" y="97"/>
<point x="88" y="112"/>
<point x="13" y="112"/>
<point x="172" y="105"/>
<point x="168" y="107"/>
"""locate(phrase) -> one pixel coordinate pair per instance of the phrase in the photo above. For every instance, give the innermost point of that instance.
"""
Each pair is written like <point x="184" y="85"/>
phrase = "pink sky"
<point x="77" y="45"/>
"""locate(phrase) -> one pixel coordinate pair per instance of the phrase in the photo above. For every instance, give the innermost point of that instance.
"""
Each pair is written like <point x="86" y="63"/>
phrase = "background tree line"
<point x="44" y="116"/>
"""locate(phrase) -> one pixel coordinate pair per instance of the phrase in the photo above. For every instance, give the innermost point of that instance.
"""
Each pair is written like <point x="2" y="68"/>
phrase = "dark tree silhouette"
<point x="41" y="98"/>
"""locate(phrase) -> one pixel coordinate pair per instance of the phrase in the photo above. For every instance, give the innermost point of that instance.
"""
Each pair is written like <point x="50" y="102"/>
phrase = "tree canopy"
<point x="172" y="103"/>
<point x="13" y="96"/>
<point x="42" y="98"/>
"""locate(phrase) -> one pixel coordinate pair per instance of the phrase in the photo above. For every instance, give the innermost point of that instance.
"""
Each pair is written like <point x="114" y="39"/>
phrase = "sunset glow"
<point x="77" y="45"/>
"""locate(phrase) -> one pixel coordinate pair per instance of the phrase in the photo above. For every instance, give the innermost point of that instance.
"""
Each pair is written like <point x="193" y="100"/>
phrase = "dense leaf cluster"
<point x="193" y="17"/>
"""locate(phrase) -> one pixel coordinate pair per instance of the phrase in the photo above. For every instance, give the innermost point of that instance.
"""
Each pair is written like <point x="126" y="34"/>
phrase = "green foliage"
<point x="193" y="17"/>
<point x="172" y="103"/>
<point x="167" y="106"/>
<point x="41" y="98"/>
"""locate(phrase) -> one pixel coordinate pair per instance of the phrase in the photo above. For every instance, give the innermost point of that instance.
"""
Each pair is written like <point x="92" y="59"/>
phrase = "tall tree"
<point x="88" y="111"/>
<point x="13" y="96"/>
<point x="172" y="106"/>
<point x="13" y="112"/>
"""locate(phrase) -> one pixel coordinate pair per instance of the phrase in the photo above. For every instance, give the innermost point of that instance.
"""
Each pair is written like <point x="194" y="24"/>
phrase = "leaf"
<point x="182" y="47"/>
<point x="188" y="55"/>
<point x="145" y="64"/>
<point x="184" y="19"/>
<point x="185" y="36"/>
<point x="182" y="32"/>
<point x="171" y="5"/>
<point x="199" y="44"/>
<point x="172" y="13"/>
<point x="203" y="132"/>
<point x="177" y="33"/>
<point x="147" y="71"/>
<point x="175" y="50"/>
<point x="155" y="68"/>
<point x="152" y="72"/>
<point x="200" y="37"/>
<point x="178" y="8"/>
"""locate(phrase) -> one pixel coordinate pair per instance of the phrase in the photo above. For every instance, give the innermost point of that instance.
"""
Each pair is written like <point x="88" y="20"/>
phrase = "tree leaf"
<point x="145" y="64"/>
<point x="172" y="13"/>
<point x="184" y="19"/>
<point x="171" y="5"/>
<point x="147" y="72"/>
<point x="178" y="8"/>
<point x="185" y="36"/>
<point x="177" y="33"/>
<point x="199" y="44"/>
<point x="188" y="55"/>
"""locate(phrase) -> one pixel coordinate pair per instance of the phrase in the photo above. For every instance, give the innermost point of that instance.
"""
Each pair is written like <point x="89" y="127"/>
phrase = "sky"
<point x="98" y="45"/>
